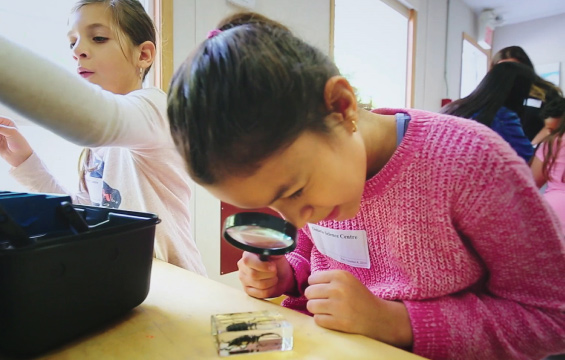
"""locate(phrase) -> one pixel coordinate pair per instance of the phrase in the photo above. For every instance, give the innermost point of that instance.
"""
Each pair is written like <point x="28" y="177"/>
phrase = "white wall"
<point x="542" y="39"/>
<point x="430" y="52"/>
<point x="461" y="20"/>
<point x="439" y="41"/>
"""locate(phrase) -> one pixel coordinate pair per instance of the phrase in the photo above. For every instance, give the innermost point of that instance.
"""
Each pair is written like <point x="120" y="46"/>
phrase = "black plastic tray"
<point x="62" y="285"/>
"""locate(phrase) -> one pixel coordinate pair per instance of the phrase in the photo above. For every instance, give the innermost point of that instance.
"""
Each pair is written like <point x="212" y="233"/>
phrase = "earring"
<point x="353" y="126"/>
<point x="141" y="73"/>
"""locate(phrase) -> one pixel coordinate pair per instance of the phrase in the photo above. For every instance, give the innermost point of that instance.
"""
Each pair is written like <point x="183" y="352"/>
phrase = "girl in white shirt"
<point x="131" y="162"/>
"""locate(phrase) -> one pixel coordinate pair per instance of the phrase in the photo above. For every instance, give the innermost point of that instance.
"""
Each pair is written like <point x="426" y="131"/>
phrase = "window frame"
<point x="472" y="41"/>
<point x="163" y="19"/>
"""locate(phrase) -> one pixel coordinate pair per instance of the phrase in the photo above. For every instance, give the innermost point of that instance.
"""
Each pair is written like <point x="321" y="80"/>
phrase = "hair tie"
<point x="213" y="33"/>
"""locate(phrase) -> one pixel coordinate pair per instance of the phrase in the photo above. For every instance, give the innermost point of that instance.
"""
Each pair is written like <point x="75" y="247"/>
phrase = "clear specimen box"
<point x="249" y="332"/>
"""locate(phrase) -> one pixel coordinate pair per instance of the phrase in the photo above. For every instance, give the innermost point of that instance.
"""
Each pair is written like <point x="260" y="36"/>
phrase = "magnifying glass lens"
<point x="260" y="237"/>
<point x="260" y="233"/>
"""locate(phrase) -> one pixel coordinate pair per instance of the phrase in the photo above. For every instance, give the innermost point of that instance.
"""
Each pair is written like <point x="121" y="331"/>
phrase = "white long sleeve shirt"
<point x="134" y="163"/>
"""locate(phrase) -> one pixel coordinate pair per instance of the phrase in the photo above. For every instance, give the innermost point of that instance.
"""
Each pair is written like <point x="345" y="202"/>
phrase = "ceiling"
<point x="515" y="11"/>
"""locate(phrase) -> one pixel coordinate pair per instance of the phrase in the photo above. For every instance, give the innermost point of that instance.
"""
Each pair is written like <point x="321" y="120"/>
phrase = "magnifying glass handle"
<point x="263" y="257"/>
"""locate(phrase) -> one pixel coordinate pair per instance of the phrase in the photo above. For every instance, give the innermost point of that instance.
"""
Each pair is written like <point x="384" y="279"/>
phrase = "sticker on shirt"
<point x="101" y="194"/>
<point x="346" y="246"/>
<point x="94" y="186"/>
<point x="531" y="102"/>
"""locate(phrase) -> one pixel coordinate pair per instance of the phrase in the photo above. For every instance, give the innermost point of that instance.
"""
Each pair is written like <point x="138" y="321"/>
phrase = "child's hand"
<point x="339" y="301"/>
<point x="264" y="279"/>
<point x="14" y="148"/>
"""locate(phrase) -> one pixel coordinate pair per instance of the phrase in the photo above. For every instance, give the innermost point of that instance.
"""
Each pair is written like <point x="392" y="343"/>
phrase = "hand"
<point x="14" y="148"/>
<point x="339" y="301"/>
<point x="264" y="279"/>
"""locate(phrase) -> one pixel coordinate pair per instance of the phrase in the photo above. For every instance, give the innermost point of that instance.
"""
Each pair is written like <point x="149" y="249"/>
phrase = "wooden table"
<point x="174" y="323"/>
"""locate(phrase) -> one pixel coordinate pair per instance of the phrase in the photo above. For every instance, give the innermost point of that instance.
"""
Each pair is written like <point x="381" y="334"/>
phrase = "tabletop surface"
<point x="174" y="323"/>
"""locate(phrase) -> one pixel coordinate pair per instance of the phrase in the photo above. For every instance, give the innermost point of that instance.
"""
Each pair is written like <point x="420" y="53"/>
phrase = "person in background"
<point x="497" y="102"/>
<point x="511" y="54"/>
<point x="552" y="115"/>
<point x="541" y="92"/>
<point x="131" y="162"/>
<point x="548" y="164"/>
<point x="431" y="214"/>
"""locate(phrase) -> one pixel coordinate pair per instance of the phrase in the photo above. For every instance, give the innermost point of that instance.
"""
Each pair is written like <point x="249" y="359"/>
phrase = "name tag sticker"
<point x="533" y="103"/>
<point x="346" y="246"/>
<point x="94" y="186"/>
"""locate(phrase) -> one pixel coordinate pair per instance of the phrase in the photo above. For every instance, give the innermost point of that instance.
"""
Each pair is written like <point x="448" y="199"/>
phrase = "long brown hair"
<point x="553" y="109"/>
<point x="512" y="52"/>
<point x="129" y="19"/>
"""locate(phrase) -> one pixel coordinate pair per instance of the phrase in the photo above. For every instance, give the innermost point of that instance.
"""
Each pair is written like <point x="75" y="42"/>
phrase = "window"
<point x="474" y="64"/>
<point x="41" y="26"/>
<point x="372" y="47"/>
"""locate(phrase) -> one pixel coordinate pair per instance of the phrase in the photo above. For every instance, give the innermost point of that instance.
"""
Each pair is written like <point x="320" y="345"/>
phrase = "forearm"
<point x="48" y="94"/>
<point x="540" y="136"/>
<point x="71" y="107"/>
<point x="35" y="176"/>
<point x="399" y="327"/>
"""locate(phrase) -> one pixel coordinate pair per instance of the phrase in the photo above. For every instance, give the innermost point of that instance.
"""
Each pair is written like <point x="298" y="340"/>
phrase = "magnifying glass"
<point x="260" y="233"/>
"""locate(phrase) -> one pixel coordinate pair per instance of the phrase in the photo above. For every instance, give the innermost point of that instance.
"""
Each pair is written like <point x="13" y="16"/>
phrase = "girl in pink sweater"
<point x="421" y="230"/>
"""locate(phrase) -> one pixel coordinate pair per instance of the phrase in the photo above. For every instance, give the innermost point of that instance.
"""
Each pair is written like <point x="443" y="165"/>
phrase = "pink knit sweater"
<point x="458" y="232"/>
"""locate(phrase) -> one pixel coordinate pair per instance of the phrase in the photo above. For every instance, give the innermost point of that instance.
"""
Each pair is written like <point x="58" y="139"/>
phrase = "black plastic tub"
<point x="66" y="283"/>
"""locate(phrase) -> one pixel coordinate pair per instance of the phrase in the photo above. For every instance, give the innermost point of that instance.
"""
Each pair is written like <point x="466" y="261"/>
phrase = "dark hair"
<point x="130" y="17"/>
<point x="542" y="89"/>
<point x="247" y="18"/>
<point x="545" y="90"/>
<point x="506" y="84"/>
<point x="555" y="109"/>
<point x="512" y="52"/>
<point x="244" y="95"/>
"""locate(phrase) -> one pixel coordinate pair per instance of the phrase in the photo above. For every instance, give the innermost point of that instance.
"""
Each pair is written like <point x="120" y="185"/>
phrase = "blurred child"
<point x="131" y="162"/>
<point x="498" y="102"/>
<point x="541" y="92"/>
<point x="548" y="165"/>
<point x="438" y="251"/>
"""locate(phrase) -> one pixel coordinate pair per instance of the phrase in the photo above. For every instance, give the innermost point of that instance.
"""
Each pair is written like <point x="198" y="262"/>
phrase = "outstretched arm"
<point x="69" y="106"/>
<point x="537" y="166"/>
<point x="34" y="175"/>
<point x="27" y="168"/>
